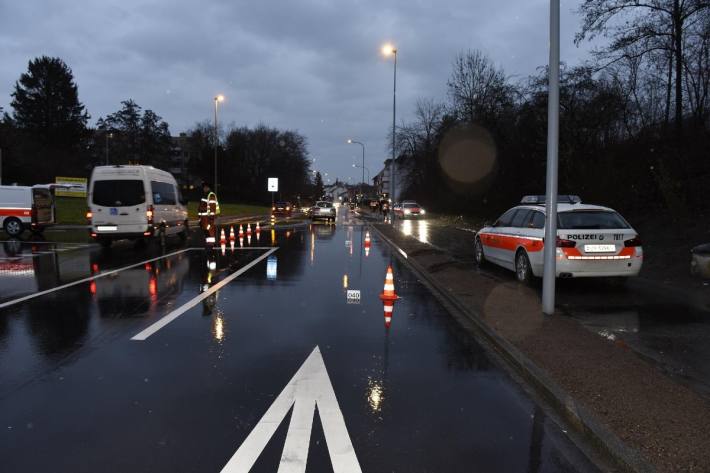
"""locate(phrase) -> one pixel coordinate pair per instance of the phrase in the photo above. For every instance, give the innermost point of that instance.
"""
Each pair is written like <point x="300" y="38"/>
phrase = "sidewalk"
<point x="623" y="404"/>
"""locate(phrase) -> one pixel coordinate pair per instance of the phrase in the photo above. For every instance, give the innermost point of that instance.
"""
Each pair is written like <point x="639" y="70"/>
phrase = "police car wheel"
<point x="478" y="253"/>
<point x="522" y="267"/>
<point x="13" y="227"/>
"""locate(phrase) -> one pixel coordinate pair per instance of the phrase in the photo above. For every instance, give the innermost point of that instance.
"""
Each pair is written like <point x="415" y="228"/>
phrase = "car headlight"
<point x="422" y="211"/>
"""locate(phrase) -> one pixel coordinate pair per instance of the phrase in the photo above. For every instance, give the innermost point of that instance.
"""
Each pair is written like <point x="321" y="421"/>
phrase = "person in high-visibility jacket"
<point x="208" y="211"/>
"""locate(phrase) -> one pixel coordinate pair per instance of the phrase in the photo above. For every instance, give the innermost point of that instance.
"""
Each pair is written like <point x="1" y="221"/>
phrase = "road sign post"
<point x="272" y="185"/>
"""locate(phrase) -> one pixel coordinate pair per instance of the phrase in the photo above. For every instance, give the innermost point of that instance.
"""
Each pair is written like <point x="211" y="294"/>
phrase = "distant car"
<point x="592" y="241"/>
<point x="323" y="210"/>
<point x="282" y="208"/>
<point x="408" y="209"/>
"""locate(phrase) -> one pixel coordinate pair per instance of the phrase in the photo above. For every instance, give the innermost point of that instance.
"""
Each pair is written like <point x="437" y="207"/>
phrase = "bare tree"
<point x="647" y="25"/>
<point x="478" y="88"/>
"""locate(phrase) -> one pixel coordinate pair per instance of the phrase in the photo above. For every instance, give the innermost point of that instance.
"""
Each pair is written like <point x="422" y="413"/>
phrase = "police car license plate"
<point x="599" y="248"/>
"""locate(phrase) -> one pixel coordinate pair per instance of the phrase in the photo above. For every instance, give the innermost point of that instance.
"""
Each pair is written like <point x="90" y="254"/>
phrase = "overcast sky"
<point x="309" y="65"/>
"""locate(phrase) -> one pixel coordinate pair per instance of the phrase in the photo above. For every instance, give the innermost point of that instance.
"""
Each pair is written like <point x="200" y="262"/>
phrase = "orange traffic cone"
<point x="223" y="247"/>
<point x="222" y="238"/>
<point x="248" y="229"/>
<point x="231" y="245"/>
<point x="231" y="233"/>
<point x="388" y="293"/>
<point x="258" y="228"/>
<point x="248" y="240"/>
<point x="367" y="251"/>
<point x="241" y="231"/>
<point x="367" y="240"/>
<point x="241" y="242"/>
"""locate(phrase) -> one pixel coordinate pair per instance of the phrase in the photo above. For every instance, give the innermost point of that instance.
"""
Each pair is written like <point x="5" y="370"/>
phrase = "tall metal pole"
<point x="553" y="130"/>
<point x="363" y="166"/>
<point x="394" y="121"/>
<point x="216" y="137"/>
<point x="107" y="148"/>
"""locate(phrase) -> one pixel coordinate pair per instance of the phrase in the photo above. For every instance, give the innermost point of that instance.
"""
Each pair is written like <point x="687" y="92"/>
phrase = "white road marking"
<point x="92" y="278"/>
<point x="309" y="388"/>
<point x="144" y="334"/>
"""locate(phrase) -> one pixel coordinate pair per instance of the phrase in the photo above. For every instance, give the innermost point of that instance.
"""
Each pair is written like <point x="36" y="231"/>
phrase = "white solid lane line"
<point x="92" y="278"/>
<point x="144" y="334"/>
<point x="309" y="388"/>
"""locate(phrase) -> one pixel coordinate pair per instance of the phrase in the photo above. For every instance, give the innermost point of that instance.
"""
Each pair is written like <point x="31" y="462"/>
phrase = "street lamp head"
<point x="219" y="98"/>
<point x="388" y="49"/>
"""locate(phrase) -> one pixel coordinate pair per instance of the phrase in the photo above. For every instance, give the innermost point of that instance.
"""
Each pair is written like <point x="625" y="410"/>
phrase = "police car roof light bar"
<point x="540" y="199"/>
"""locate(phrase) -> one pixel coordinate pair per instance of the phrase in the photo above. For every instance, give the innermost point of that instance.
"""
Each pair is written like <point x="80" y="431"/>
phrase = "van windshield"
<point x="118" y="193"/>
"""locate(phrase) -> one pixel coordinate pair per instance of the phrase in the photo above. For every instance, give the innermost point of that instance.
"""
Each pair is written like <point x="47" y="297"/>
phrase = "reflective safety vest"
<point x="209" y="206"/>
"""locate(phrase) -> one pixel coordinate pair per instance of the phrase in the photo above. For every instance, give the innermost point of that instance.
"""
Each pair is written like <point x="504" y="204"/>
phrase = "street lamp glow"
<point x="388" y="49"/>
<point x="219" y="98"/>
<point x="350" y="141"/>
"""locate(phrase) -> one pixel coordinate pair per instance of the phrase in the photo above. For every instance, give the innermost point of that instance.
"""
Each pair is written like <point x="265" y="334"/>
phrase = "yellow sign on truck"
<point x="76" y="186"/>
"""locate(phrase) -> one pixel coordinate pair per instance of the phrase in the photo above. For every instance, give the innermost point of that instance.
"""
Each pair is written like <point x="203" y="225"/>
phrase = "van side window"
<point x="163" y="193"/>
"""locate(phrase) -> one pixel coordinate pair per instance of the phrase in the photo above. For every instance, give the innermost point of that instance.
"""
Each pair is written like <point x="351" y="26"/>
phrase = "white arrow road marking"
<point x="309" y="388"/>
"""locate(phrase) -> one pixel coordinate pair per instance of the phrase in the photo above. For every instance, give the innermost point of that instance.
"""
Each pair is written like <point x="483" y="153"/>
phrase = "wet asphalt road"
<point x="78" y="394"/>
<point x="662" y="329"/>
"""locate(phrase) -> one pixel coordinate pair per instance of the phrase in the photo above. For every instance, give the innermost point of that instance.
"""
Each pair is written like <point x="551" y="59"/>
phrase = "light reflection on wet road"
<point x="416" y="395"/>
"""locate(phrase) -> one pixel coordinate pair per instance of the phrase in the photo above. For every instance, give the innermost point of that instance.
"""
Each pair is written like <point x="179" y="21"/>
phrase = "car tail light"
<point x="635" y="241"/>
<point x="273" y="208"/>
<point x="149" y="213"/>
<point x="562" y="243"/>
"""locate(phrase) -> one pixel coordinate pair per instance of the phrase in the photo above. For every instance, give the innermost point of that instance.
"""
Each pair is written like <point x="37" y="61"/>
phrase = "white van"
<point x="134" y="202"/>
<point x="23" y="207"/>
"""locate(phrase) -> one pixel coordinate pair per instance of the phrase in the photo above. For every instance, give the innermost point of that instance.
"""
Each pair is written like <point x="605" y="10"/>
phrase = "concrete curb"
<point x="577" y="415"/>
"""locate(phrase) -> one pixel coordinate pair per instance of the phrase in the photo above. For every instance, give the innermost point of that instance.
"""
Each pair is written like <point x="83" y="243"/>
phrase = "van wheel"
<point x="523" y="272"/>
<point x="478" y="252"/>
<point x="13" y="227"/>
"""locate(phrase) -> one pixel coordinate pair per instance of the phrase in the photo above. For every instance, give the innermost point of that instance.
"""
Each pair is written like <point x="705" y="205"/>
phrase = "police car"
<point x="592" y="241"/>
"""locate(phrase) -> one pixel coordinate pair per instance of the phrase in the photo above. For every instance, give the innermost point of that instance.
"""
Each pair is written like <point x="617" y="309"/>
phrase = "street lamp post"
<point x="553" y="129"/>
<point x="387" y="50"/>
<point x="363" y="160"/>
<point x="108" y="135"/>
<point x="217" y="100"/>
<point x="364" y="169"/>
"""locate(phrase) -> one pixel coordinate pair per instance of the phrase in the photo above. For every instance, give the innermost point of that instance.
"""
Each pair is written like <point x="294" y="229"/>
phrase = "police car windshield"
<point x="590" y="220"/>
<point x="118" y="192"/>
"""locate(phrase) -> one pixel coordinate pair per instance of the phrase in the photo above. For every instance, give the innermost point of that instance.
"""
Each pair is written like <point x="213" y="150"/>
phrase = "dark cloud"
<point x="308" y="65"/>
